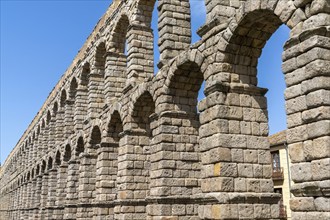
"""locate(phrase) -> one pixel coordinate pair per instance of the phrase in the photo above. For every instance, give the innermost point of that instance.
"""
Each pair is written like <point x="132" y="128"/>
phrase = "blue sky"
<point x="39" y="40"/>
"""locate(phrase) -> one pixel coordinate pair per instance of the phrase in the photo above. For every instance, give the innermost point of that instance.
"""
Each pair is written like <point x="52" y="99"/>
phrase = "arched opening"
<point x="95" y="136"/>
<point x="247" y="43"/>
<point x="96" y="81"/>
<point x="144" y="107"/>
<point x="81" y="99"/>
<point x="43" y="166"/>
<point x="32" y="174"/>
<point x="185" y="87"/>
<point x="116" y="61"/>
<point x="50" y="163"/>
<point x="270" y="76"/>
<point x="48" y="117"/>
<point x="58" y="158"/>
<point x="100" y="58"/>
<point x="85" y="74"/>
<point x="80" y="146"/>
<point x="115" y="127"/>
<point x="55" y="108"/>
<point x="43" y="123"/>
<point x="38" y="170"/>
<point x="120" y="35"/>
<point x="73" y="88"/>
<point x="63" y="98"/>
<point x="67" y="153"/>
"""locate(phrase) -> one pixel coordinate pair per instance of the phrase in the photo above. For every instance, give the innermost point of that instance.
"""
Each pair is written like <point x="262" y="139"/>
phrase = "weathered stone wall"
<point x="115" y="141"/>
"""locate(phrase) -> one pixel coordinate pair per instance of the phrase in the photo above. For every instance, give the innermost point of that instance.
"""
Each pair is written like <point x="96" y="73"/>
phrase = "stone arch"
<point x="96" y="135"/>
<point x="80" y="147"/>
<point x="43" y="166"/>
<point x="33" y="173"/>
<point x="67" y="153"/>
<point x="38" y="169"/>
<point x="143" y="108"/>
<point x="55" y="108"/>
<point x="38" y="130"/>
<point x="43" y="123"/>
<point x="63" y="98"/>
<point x="28" y="176"/>
<point x="115" y="107"/>
<point x="57" y="161"/>
<point x="114" y="127"/>
<point x="73" y="88"/>
<point x="84" y="74"/>
<point x="48" y="117"/>
<point x="119" y="35"/>
<point x="50" y="163"/>
<point x="100" y="57"/>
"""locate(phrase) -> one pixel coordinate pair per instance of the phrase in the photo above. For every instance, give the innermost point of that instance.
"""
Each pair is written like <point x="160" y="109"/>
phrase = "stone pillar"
<point x="115" y="76"/>
<point x="44" y="194"/>
<point x="59" y="128"/>
<point x="28" y="201"/>
<point x="33" y="198"/>
<point x="52" y="131"/>
<point x="37" y="200"/>
<point x="72" y="189"/>
<point x="236" y="161"/>
<point x="106" y="169"/>
<point x="133" y="175"/>
<point x="19" y="201"/>
<point x="174" y="28"/>
<point x="80" y="109"/>
<point x="33" y="152"/>
<point x="45" y="145"/>
<point x="24" y="200"/>
<point x="307" y="106"/>
<point x="68" y="118"/>
<point x="87" y="180"/>
<point x="14" y="212"/>
<point x="62" y="174"/>
<point x="51" y="197"/>
<point x="140" y="58"/>
<point x="95" y="93"/>
<point x="41" y="140"/>
<point x="175" y="167"/>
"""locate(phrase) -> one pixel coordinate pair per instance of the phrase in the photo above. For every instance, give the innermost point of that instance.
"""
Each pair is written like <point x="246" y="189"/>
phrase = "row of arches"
<point x="158" y="147"/>
<point x="108" y="62"/>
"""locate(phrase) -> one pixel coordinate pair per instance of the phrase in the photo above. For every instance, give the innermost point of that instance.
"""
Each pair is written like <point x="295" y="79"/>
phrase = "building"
<point x="281" y="171"/>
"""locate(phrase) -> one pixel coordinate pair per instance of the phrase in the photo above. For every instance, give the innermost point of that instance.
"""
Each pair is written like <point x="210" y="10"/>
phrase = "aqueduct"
<point x="116" y="141"/>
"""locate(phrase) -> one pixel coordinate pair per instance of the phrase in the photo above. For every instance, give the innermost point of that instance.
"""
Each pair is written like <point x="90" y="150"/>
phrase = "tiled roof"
<point x="278" y="138"/>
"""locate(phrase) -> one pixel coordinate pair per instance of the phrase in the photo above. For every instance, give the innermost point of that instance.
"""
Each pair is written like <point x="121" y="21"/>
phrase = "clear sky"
<point x="39" y="40"/>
